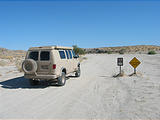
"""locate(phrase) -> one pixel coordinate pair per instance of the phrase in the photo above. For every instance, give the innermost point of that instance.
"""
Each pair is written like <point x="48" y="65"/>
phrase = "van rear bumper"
<point x="44" y="77"/>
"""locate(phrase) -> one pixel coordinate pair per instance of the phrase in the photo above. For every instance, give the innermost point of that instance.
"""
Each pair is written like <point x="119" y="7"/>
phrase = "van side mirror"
<point x="76" y="56"/>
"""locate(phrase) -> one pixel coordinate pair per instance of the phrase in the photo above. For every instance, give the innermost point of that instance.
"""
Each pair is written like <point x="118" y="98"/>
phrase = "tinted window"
<point x="62" y="54"/>
<point x="70" y="54"/>
<point x="45" y="56"/>
<point x="67" y="54"/>
<point x="33" y="55"/>
<point x="73" y="53"/>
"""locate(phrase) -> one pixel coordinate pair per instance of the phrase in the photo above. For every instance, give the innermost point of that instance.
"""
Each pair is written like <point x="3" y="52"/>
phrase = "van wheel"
<point x="62" y="79"/>
<point x="33" y="82"/>
<point x="78" y="72"/>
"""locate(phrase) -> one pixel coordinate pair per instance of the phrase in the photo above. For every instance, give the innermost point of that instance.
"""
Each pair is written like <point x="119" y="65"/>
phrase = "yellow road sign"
<point x="134" y="62"/>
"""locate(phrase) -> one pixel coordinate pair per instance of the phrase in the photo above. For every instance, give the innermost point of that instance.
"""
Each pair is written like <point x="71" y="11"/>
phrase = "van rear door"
<point x="44" y="62"/>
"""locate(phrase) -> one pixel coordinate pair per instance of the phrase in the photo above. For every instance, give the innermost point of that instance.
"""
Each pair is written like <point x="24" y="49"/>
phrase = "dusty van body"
<point x="50" y="63"/>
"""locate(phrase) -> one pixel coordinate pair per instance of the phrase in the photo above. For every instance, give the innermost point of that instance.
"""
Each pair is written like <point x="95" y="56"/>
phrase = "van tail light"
<point x="54" y="66"/>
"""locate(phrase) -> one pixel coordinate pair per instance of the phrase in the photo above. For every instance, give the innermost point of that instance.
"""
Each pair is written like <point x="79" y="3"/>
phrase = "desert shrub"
<point x="122" y="51"/>
<point x="6" y="57"/>
<point x="3" y="63"/>
<point x="81" y="58"/>
<point x="152" y="52"/>
<point x="78" y="50"/>
<point x="18" y="64"/>
<point x="109" y="52"/>
<point x="100" y="51"/>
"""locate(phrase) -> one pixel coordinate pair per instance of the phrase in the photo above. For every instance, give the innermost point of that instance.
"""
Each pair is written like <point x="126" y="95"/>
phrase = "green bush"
<point x="109" y="52"/>
<point x="152" y="52"/>
<point x="78" y="50"/>
<point x="122" y="51"/>
<point x="18" y="64"/>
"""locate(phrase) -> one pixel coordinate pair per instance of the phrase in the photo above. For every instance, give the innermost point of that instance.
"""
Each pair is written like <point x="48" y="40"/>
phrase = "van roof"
<point x="50" y="48"/>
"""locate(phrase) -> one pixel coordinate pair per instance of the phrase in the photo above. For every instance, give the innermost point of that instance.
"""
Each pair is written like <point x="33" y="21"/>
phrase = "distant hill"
<point x="125" y="49"/>
<point x="9" y="54"/>
<point x="5" y="53"/>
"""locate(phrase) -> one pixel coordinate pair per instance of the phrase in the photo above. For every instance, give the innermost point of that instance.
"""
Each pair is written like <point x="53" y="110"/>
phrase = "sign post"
<point x="134" y="70"/>
<point x="120" y="63"/>
<point x="134" y="63"/>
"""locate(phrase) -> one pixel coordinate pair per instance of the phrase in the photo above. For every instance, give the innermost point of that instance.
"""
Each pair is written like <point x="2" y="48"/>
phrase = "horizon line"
<point x="91" y="47"/>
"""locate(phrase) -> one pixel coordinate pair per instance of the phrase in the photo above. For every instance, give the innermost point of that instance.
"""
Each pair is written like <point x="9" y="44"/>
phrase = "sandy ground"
<point x="95" y="95"/>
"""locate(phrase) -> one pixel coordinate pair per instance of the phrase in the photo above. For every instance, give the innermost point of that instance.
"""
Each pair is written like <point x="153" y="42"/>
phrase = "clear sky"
<point x="88" y="24"/>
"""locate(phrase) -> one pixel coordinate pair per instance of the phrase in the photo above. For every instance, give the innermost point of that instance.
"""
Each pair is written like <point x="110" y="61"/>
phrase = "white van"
<point x="50" y="63"/>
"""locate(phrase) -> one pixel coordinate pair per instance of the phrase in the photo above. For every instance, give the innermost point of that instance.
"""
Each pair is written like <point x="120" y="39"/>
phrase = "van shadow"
<point x="21" y="82"/>
<point x="70" y="76"/>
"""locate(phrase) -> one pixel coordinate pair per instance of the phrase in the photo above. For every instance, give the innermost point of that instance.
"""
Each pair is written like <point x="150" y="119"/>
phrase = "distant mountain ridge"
<point x="126" y="49"/>
<point x="12" y="53"/>
<point x="5" y="53"/>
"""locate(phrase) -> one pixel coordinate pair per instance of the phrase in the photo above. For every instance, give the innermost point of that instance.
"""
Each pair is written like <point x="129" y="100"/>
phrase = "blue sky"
<point x="88" y="24"/>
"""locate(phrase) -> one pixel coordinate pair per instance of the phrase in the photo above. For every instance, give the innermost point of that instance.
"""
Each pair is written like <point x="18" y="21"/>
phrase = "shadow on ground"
<point x="21" y="82"/>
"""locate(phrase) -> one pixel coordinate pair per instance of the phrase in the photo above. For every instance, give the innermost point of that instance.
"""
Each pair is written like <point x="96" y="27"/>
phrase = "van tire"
<point x="78" y="72"/>
<point x="33" y="82"/>
<point x="29" y="66"/>
<point x="62" y="79"/>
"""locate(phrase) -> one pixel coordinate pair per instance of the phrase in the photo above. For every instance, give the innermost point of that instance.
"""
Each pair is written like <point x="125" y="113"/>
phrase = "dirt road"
<point x="95" y="95"/>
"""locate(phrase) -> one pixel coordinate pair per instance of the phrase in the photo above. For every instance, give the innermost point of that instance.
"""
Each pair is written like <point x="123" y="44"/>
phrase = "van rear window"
<point x="45" y="56"/>
<point x="33" y="55"/>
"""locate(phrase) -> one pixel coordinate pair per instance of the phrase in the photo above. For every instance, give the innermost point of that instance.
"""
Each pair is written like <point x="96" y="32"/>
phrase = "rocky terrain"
<point x="125" y="49"/>
<point x="5" y="53"/>
<point x="11" y="57"/>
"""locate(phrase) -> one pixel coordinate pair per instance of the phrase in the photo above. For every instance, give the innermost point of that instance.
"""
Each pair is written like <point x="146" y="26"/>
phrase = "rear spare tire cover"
<point x="29" y="66"/>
